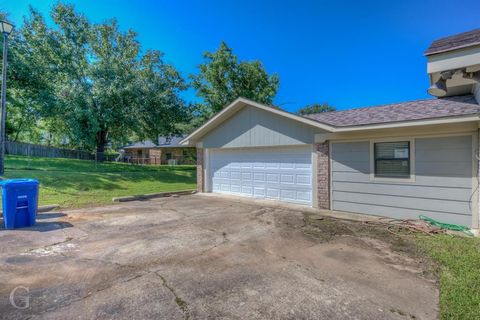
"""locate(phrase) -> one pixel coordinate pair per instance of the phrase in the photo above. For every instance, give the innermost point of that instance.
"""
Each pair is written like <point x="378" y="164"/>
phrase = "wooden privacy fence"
<point x="35" y="150"/>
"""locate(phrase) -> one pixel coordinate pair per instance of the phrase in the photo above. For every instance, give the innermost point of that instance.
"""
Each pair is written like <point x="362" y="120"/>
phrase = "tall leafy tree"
<point x="96" y="83"/>
<point x="162" y="111"/>
<point x="222" y="78"/>
<point x="316" y="108"/>
<point x="24" y="90"/>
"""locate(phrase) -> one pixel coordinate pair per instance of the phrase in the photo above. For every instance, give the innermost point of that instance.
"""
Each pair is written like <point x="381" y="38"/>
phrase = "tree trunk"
<point x="19" y="129"/>
<point x="101" y="142"/>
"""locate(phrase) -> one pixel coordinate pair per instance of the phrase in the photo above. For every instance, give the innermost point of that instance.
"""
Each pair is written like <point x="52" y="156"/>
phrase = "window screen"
<point x="392" y="159"/>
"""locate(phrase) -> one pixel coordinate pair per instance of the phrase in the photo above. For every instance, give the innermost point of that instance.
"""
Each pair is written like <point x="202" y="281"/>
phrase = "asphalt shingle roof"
<point x="163" y="142"/>
<point x="170" y="141"/>
<point x="458" y="41"/>
<point x="405" y="111"/>
<point x="140" y="144"/>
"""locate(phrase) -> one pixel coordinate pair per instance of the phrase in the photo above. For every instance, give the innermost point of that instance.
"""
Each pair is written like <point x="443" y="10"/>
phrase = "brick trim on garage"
<point x="323" y="174"/>
<point x="200" y="171"/>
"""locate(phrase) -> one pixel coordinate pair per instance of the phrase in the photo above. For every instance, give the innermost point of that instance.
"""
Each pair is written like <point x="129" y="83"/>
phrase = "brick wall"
<point x="323" y="175"/>
<point x="200" y="176"/>
<point x="155" y="156"/>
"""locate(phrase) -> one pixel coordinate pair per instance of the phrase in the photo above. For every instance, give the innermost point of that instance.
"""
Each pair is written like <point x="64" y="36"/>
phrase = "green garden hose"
<point x="448" y="226"/>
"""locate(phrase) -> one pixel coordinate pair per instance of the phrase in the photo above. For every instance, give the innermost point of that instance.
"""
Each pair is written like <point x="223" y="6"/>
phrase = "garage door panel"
<point x="246" y="166"/>
<point x="273" y="177"/>
<point x="259" y="192"/>
<point x="273" y="193"/>
<point x="272" y="165"/>
<point x="259" y="166"/>
<point x="259" y="177"/>
<point x="246" y="176"/>
<point x="273" y="173"/>
<point x="304" y="195"/>
<point x="305" y="166"/>
<point x="287" y="178"/>
<point x="235" y="175"/>
<point x="248" y="190"/>
<point x="303" y="179"/>
<point x="235" y="188"/>
<point x="288" y="194"/>
<point x="287" y="165"/>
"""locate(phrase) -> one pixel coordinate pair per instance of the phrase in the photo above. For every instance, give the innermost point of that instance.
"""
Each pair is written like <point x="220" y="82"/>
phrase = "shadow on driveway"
<point x="43" y="226"/>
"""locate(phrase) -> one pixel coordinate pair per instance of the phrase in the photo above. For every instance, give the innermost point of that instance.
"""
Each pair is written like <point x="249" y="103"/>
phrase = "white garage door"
<point x="283" y="174"/>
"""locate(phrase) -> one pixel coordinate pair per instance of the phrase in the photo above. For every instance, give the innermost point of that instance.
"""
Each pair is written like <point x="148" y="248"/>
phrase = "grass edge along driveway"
<point x="458" y="260"/>
<point x="78" y="183"/>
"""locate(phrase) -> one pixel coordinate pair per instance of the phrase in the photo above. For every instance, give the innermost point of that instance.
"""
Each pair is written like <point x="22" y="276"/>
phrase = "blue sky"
<point x="347" y="53"/>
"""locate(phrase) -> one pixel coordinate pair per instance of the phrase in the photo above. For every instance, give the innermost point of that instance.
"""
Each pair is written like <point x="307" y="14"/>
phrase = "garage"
<point x="283" y="174"/>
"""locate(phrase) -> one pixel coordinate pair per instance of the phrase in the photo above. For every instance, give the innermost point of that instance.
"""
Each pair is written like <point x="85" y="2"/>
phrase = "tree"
<point x="222" y="79"/>
<point x="316" y="108"/>
<point x="23" y="113"/>
<point x="162" y="111"/>
<point x="96" y="83"/>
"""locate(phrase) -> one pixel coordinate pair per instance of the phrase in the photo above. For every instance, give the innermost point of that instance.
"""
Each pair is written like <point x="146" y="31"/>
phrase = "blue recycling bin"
<point x="19" y="202"/>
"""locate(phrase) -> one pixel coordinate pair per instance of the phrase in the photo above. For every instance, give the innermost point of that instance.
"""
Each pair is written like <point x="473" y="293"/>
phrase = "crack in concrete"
<point x="90" y="294"/>
<point x="67" y="239"/>
<point x="182" y="304"/>
<point x="225" y="240"/>
<point x="122" y="265"/>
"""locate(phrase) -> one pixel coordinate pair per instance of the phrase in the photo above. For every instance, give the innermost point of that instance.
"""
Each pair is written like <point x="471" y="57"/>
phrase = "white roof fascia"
<point x="411" y="123"/>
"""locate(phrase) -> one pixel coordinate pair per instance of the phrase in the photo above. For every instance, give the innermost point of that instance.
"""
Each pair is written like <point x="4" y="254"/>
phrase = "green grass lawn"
<point x="458" y="259"/>
<point x="77" y="183"/>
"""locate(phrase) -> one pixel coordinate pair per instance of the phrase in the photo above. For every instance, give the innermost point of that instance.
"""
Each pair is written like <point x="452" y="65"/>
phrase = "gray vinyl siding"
<point x="253" y="127"/>
<point x="442" y="188"/>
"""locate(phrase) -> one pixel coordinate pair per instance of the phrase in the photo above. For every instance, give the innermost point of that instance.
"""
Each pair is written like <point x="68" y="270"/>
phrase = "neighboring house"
<point x="400" y="160"/>
<point x="166" y="151"/>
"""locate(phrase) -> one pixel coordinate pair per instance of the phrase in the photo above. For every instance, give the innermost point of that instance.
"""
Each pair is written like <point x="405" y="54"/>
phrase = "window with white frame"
<point x="392" y="159"/>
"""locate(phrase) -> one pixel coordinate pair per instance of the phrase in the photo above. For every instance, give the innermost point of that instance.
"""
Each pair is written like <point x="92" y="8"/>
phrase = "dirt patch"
<point x="398" y="250"/>
<point x="327" y="228"/>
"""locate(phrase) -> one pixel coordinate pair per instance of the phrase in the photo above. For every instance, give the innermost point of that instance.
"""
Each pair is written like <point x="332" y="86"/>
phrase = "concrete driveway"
<point x="209" y="257"/>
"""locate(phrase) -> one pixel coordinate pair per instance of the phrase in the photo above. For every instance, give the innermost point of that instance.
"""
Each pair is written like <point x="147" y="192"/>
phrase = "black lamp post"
<point x="6" y="28"/>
